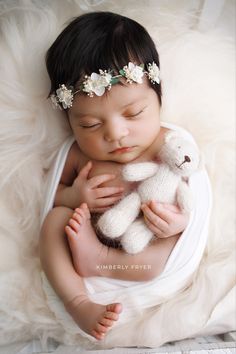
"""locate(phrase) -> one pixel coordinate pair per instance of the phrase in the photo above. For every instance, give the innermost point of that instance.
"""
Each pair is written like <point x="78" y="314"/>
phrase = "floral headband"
<point x="98" y="83"/>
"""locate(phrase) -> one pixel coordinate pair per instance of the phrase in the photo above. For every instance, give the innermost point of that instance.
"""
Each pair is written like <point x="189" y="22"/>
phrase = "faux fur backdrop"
<point x="198" y="74"/>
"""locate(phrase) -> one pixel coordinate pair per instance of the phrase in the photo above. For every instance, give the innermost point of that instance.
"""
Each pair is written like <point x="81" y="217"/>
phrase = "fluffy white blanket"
<point x="198" y="93"/>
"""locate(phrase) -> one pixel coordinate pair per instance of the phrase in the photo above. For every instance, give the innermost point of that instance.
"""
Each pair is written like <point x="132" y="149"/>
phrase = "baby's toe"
<point x="80" y="212"/>
<point x="74" y="225"/>
<point x="78" y="218"/>
<point x="117" y="308"/>
<point x="111" y="316"/>
<point x="70" y="232"/>
<point x="97" y="335"/>
<point x="86" y="211"/>
<point x="99" y="328"/>
<point x="106" y="322"/>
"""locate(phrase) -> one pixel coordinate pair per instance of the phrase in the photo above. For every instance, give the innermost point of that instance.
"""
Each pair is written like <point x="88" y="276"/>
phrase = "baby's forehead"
<point x="120" y="96"/>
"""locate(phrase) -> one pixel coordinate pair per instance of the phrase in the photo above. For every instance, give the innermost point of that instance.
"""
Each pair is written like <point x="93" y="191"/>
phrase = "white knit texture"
<point x="162" y="183"/>
<point x="138" y="172"/>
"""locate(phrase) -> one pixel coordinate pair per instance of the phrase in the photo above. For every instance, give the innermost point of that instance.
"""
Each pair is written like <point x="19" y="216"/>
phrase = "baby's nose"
<point x="116" y="133"/>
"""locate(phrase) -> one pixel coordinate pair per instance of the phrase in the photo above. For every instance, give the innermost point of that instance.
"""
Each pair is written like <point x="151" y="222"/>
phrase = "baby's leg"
<point x="95" y="319"/>
<point x="89" y="260"/>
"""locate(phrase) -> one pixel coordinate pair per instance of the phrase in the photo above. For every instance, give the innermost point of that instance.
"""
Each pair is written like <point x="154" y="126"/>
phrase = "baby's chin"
<point x="124" y="158"/>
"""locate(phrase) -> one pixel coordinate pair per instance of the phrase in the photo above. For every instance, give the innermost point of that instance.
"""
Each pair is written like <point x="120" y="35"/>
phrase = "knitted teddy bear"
<point x="164" y="182"/>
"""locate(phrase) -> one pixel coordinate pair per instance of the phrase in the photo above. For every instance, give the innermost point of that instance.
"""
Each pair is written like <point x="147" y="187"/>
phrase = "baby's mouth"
<point x="122" y="150"/>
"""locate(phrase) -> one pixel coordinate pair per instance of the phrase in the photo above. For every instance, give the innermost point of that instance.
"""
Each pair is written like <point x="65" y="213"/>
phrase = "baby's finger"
<point x="171" y="207"/>
<point x="84" y="172"/>
<point x="160" y="210"/>
<point x="108" y="191"/>
<point x="154" y="219"/>
<point x="106" y="202"/>
<point x="97" y="180"/>
<point x="154" y="229"/>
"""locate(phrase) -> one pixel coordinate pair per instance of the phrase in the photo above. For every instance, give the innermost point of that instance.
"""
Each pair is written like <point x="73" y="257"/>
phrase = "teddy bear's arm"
<point x="139" y="171"/>
<point x="114" y="222"/>
<point x="184" y="197"/>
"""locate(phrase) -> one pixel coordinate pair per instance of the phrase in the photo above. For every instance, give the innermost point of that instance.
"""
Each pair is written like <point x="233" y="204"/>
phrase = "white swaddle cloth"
<point x="138" y="296"/>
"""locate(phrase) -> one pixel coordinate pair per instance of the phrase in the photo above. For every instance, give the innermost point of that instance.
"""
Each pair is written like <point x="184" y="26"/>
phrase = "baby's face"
<point x="118" y="126"/>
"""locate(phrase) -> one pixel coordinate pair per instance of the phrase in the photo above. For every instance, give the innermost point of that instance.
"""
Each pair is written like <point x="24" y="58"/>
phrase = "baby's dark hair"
<point x="99" y="40"/>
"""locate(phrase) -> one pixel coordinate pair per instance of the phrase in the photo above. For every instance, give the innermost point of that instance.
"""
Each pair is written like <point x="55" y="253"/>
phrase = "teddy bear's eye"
<point x="179" y="147"/>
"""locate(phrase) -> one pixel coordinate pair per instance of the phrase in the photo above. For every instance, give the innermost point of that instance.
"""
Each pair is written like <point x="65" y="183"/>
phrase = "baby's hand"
<point x="90" y="191"/>
<point x="164" y="220"/>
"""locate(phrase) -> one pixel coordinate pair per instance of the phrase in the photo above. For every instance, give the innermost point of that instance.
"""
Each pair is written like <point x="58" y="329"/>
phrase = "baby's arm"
<point x="164" y="220"/>
<point x="77" y="187"/>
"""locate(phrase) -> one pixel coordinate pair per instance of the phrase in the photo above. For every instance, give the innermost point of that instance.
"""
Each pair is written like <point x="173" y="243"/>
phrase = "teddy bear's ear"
<point x="170" y="135"/>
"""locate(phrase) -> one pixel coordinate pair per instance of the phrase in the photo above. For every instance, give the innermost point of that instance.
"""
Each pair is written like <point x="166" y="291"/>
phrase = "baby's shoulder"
<point x="72" y="164"/>
<point x="75" y="158"/>
<point x="73" y="154"/>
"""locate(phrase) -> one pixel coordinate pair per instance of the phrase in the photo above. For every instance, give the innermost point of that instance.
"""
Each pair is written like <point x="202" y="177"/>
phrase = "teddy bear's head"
<point x="181" y="155"/>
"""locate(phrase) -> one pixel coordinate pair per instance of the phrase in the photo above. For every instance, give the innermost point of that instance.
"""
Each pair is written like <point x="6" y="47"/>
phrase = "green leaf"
<point x="114" y="80"/>
<point x="122" y="72"/>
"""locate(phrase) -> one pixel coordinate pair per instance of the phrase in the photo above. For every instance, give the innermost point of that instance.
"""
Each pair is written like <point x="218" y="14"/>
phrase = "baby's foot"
<point x="87" y="251"/>
<point x="94" y="319"/>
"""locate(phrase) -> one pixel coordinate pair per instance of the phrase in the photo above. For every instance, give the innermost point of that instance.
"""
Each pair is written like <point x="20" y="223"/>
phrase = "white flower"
<point x="133" y="73"/>
<point x="97" y="83"/>
<point x="54" y="100"/>
<point x="154" y="73"/>
<point x="64" y="96"/>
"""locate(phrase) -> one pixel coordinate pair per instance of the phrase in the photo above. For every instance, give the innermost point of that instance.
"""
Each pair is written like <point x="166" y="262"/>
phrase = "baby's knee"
<point x="58" y="212"/>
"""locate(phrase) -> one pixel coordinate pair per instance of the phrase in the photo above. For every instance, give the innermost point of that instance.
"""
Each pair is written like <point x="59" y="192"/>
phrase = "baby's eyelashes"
<point x="136" y="113"/>
<point x="91" y="126"/>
